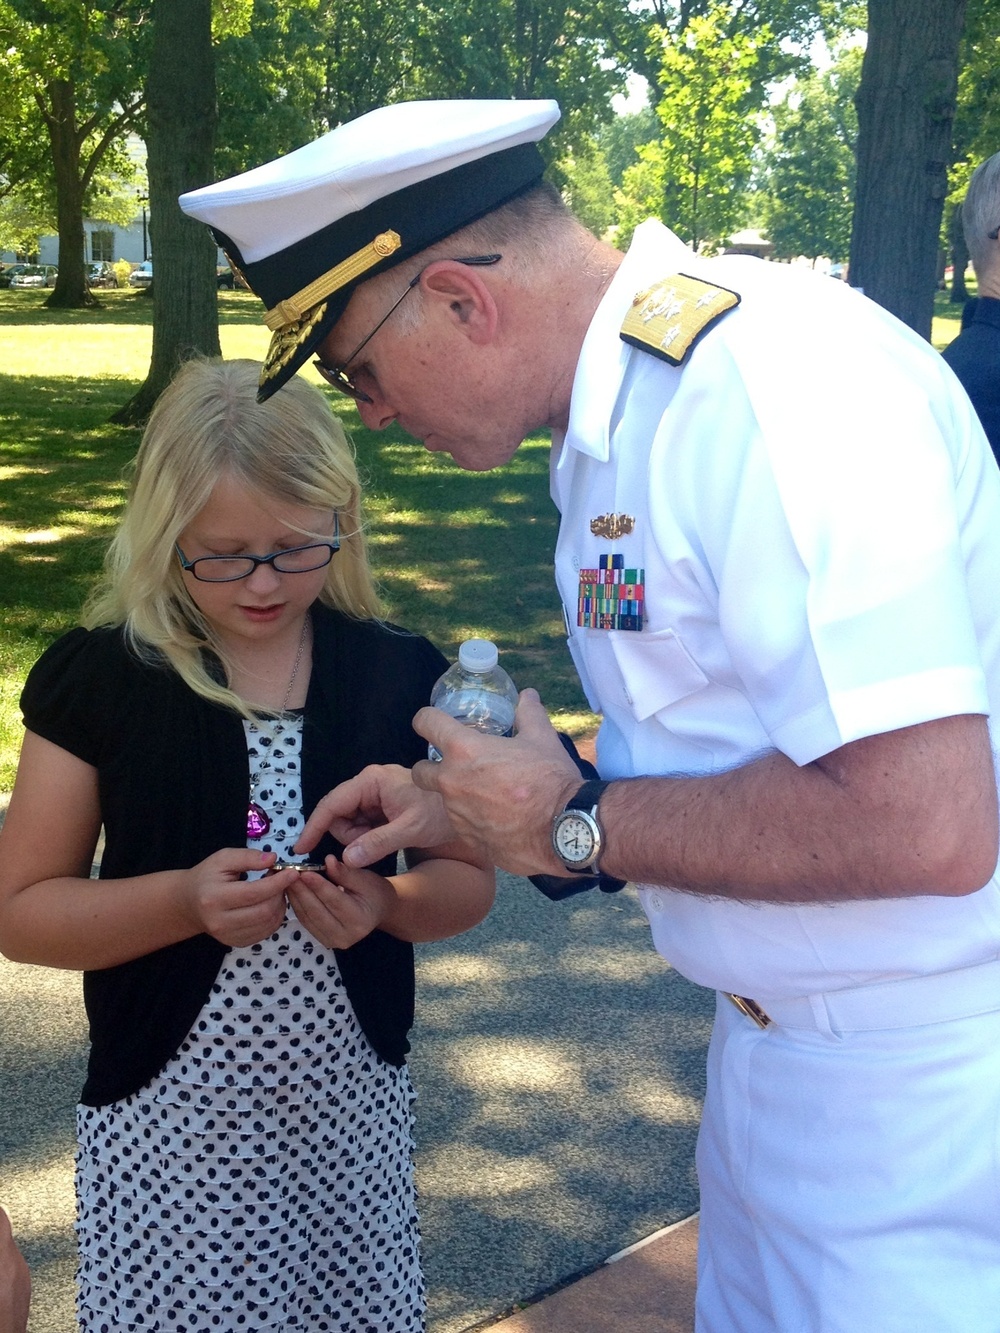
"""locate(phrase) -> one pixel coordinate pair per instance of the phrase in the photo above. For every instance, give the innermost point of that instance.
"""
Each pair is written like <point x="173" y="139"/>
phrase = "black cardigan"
<point x="174" y="780"/>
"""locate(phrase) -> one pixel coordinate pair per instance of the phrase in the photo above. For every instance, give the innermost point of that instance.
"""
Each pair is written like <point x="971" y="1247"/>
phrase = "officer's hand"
<point x="501" y="792"/>
<point x="378" y="812"/>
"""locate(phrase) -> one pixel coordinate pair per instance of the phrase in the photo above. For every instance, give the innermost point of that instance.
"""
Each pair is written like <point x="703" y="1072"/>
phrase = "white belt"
<point x="909" y="1002"/>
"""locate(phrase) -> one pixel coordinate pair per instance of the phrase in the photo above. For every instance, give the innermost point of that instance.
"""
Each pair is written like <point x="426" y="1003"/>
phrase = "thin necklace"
<point x="258" y="820"/>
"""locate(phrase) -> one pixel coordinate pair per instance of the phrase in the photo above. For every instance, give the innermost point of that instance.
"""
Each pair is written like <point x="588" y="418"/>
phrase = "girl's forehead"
<point x="234" y="504"/>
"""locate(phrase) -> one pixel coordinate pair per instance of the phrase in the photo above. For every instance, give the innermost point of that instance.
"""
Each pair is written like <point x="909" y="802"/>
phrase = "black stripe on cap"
<point x="422" y="214"/>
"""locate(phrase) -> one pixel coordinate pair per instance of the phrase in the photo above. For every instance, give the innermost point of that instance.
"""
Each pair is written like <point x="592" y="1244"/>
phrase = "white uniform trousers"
<point x="850" y="1182"/>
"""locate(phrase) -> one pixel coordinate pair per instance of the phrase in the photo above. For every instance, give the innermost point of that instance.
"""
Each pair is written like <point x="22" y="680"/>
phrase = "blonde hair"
<point x="205" y="425"/>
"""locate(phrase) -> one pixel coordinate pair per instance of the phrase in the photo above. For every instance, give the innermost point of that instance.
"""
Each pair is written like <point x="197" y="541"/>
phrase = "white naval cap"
<point x="307" y="228"/>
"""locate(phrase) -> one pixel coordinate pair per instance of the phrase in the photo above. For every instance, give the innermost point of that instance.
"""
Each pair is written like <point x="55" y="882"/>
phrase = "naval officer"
<point x="781" y="599"/>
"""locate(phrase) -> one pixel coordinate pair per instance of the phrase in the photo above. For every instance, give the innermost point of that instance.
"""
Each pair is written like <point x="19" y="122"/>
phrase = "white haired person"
<point x="244" y="1155"/>
<point x="974" y="355"/>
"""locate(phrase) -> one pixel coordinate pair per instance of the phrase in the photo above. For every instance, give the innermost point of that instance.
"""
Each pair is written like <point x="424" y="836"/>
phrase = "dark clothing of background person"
<point x="974" y="356"/>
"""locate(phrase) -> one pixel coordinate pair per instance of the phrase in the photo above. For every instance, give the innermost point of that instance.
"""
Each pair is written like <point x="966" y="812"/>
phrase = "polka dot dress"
<point x="263" y="1180"/>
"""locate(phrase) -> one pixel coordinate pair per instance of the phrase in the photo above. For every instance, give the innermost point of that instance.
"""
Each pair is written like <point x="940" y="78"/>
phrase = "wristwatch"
<point x="576" y="835"/>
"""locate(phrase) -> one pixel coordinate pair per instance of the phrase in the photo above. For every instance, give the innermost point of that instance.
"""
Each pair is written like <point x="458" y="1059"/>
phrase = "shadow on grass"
<point x="64" y="482"/>
<point x="470" y="553"/>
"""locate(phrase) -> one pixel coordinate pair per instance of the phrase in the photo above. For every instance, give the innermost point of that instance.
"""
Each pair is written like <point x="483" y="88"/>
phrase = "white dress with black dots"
<point x="264" y="1179"/>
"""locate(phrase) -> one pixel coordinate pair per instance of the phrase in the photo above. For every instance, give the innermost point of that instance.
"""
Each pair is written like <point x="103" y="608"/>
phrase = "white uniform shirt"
<point x="818" y="517"/>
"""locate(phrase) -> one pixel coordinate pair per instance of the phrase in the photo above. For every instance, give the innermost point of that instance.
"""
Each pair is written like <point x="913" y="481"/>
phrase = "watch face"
<point x="574" y="839"/>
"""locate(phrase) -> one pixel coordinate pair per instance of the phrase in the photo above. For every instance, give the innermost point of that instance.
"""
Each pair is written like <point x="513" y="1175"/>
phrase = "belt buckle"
<point x="750" y="1008"/>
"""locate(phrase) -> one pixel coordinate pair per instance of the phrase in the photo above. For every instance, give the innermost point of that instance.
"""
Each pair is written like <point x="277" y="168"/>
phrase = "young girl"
<point x="244" y="1131"/>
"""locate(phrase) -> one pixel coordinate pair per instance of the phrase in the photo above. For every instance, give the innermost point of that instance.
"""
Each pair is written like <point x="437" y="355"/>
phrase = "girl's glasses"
<point x="295" y="560"/>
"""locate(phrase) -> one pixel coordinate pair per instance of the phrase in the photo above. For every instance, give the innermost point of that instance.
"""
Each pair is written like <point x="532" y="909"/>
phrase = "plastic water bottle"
<point x="477" y="691"/>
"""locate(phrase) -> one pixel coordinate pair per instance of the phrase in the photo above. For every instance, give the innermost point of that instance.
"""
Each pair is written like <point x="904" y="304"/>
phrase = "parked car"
<point x="101" y="274"/>
<point x="36" y="275"/>
<point x="9" y="272"/>
<point x="143" y="275"/>
<point x="227" y="277"/>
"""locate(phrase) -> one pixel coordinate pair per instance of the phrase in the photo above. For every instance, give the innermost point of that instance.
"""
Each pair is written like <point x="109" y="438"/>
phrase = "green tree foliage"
<point x="305" y="66"/>
<point x="621" y="138"/>
<point x="588" y="188"/>
<point x="270" y="77"/>
<point x="977" y="113"/>
<point x="529" y="48"/>
<point x="809" y="192"/>
<point x="300" y="67"/>
<point x="77" y="64"/>
<point x="790" y="24"/>
<point x="694" y="176"/>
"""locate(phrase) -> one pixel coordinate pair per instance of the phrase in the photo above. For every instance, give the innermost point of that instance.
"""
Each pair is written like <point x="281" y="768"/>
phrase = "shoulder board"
<point x="668" y="318"/>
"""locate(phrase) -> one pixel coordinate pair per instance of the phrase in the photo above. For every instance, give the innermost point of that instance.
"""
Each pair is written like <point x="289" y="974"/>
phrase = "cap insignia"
<point x="287" y="341"/>
<point x="668" y="318"/>
<point x="293" y="308"/>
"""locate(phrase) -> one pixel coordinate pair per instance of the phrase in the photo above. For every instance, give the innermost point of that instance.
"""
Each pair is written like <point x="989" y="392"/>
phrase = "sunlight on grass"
<point x="9" y="535"/>
<point x="945" y="329"/>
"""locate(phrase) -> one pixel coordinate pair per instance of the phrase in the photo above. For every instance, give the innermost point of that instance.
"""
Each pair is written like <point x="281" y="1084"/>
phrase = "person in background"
<point x="244" y="1132"/>
<point x="785" y="609"/>
<point x="974" y="355"/>
<point x="15" y="1282"/>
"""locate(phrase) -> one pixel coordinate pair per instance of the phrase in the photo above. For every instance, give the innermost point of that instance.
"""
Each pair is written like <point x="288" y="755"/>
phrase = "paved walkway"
<point x="648" y="1288"/>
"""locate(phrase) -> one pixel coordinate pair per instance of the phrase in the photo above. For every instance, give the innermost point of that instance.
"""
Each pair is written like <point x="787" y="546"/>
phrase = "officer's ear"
<point x="459" y="294"/>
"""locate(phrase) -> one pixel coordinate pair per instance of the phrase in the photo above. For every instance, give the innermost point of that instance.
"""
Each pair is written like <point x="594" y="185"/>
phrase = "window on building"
<point x="102" y="245"/>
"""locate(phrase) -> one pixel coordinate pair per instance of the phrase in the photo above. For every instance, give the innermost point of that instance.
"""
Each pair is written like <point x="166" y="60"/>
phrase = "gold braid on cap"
<point x="293" y="308"/>
<point x="292" y="321"/>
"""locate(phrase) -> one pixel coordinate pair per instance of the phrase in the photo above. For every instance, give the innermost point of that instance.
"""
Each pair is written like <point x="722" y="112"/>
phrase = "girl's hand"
<point x="237" y="911"/>
<point x="343" y="907"/>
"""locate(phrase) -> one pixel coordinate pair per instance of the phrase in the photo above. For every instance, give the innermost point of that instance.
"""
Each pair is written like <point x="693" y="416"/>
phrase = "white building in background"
<point x="103" y="241"/>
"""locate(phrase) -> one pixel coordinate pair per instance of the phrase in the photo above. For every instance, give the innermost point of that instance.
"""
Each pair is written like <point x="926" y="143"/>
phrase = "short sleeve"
<point x="847" y="533"/>
<point x="67" y="696"/>
<point x="843" y="540"/>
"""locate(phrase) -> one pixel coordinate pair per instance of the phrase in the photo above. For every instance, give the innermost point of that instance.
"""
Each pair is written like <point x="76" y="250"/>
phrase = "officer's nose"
<point x="376" y="414"/>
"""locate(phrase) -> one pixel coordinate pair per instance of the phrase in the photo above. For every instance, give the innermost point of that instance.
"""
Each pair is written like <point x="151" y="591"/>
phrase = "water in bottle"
<point x="477" y="691"/>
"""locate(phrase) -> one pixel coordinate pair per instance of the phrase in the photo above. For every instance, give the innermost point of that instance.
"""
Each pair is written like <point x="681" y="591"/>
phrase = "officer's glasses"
<point x="338" y="376"/>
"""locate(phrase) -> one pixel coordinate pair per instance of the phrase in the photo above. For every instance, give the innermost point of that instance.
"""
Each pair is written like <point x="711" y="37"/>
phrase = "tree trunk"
<point x="905" y="103"/>
<point x="181" y="117"/>
<point x="71" y="288"/>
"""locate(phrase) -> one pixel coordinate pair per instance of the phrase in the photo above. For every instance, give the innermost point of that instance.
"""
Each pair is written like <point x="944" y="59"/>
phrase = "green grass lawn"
<point x="947" y="322"/>
<point x="457" y="554"/>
